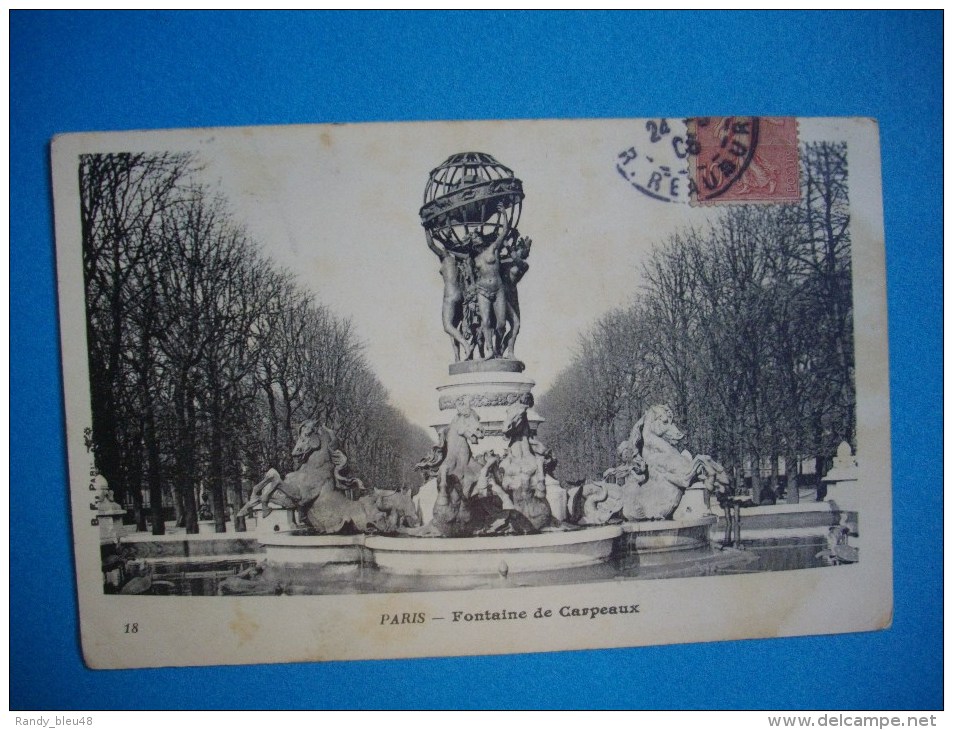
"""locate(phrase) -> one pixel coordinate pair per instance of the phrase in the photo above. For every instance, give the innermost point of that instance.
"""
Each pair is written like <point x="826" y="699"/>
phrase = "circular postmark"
<point x="658" y="164"/>
<point x="714" y="160"/>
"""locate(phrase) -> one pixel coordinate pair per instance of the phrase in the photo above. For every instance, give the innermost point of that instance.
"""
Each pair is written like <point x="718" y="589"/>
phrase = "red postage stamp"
<point x="745" y="159"/>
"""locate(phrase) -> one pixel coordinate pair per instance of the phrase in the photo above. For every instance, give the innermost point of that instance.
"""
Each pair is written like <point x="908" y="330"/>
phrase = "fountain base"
<point x="491" y="555"/>
<point x="408" y="555"/>
<point x="508" y="554"/>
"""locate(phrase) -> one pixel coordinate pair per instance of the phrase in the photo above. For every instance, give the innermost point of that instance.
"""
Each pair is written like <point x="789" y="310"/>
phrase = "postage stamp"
<point x="745" y="159"/>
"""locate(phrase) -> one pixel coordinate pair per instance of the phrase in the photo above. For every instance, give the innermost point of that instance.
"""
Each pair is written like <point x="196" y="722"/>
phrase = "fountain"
<point x="490" y="504"/>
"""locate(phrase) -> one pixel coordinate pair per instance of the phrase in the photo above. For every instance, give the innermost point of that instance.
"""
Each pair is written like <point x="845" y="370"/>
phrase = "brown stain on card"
<point x="243" y="626"/>
<point x="377" y="636"/>
<point x="755" y="615"/>
<point x="325" y="140"/>
<point x="886" y="620"/>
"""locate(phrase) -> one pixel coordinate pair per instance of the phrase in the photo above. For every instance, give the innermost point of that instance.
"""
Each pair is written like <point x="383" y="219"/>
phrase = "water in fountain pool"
<point x="342" y="578"/>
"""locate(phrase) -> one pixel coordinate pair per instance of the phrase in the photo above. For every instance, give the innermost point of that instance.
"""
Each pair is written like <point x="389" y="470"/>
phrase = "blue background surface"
<point x="100" y="71"/>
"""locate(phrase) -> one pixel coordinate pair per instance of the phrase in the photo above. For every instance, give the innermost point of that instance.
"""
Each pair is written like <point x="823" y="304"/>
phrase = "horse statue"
<point x="598" y="502"/>
<point x="317" y="489"/>
<point x="594" y="503"/>
<point x="457" y="471"/>
<point x="670" y="472"/>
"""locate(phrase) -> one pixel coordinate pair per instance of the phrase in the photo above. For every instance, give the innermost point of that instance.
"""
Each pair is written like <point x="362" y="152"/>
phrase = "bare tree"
<point x="745" y="328"/>
<point x="205" y="357"/>
<point x="122" y="196"/>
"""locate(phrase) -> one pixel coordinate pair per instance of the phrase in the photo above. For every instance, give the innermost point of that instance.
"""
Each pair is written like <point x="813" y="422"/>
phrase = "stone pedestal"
<point x="279" y="519"/>
<point x="489" y="387"/>
<point x="206" y="527"/>
<point x="693" y="504"/>
<point x="109" y="514"/>
<point x="843" y="492"/>
<point x="841" y="480"/>
<point x="110" y="521"/>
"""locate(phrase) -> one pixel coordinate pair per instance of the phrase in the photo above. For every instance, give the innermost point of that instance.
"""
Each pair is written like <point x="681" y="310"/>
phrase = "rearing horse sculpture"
<point x="457" y="471"/>
<point x="669" y="471"/>
<point x="317" y="488"/>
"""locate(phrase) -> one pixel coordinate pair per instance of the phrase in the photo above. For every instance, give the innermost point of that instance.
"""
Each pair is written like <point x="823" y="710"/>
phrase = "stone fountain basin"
<point x="282" y="548"/>
<point x="665" y="536"/>
<point x="408" y="555"/>
<point x="487" y="555"/>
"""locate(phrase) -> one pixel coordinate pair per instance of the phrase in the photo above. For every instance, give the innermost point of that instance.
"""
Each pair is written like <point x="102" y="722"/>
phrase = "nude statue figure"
<point x="513" y="262"/>
<point x="452" y="313"/>
<point x="491" y="297"/>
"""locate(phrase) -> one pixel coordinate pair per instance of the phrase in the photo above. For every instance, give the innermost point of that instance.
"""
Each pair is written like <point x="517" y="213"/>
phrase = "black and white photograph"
<point x="449" y="388"/>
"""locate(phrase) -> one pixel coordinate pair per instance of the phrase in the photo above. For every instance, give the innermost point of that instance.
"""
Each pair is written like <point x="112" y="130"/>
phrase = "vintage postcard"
<point x="426" y="389"/>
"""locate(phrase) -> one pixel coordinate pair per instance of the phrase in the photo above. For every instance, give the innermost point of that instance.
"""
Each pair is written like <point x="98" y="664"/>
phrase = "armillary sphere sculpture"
<point x="471" y="210"/>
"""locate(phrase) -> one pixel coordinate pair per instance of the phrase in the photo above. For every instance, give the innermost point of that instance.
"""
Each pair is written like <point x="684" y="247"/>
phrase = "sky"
<point x="338" y="206"/>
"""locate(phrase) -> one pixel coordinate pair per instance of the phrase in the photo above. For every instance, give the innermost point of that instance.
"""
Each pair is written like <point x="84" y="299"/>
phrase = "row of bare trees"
<point x="744" y="328"/>
<point x="204" y="357"/>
